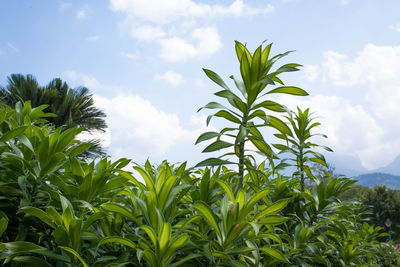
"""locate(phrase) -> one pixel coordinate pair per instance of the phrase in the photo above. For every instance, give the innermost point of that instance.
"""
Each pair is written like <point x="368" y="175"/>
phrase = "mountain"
<point x="347" y="165"/>
<point x="393" y="168"/>
<point x="372" y="179"/>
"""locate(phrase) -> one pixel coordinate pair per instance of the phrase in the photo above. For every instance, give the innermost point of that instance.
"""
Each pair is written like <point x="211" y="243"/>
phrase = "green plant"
<point x="245" y="108"/>
<point x="298" y="143"/>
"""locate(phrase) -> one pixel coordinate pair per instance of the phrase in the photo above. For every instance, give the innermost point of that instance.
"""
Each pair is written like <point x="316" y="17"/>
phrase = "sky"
<point x="142" y="61"/>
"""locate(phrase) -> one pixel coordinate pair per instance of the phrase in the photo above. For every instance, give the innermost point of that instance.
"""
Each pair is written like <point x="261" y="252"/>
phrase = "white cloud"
<point x="147" y="32"/>
<point x="373" y="75"/>
<point x="13" y="48"/>
<point x="311" y="72"/>
<point x="395" y="27"/>
<point x="169" y="24"/>
<point x="176" y="49"/>
<point x="128" y="55"/>
<point x="163" y="12"/>
<point x="207" y="42"/>
<point x="138" y="129"/>
<point x="171" y="77"/>
<point x="84" y="80"/>
<point x="81" y="13"/>
<point x="344" y="2"/>
<point x="93" y="38"/>
<point x="377" y="68"/>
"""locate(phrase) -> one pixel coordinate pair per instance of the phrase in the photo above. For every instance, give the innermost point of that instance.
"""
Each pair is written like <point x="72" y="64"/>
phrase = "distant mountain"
<point x="393" y="168"/>
<point x="347" y="165"/>
<point x="372" y="179"/>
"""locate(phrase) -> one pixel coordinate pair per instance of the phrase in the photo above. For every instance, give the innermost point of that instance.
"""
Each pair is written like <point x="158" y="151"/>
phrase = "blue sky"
<point x="142" y="60"/>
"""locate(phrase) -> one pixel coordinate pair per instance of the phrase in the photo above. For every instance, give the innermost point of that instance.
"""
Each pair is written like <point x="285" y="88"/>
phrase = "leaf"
<point x="3" y="225"/>
<point x="243" y="132"/>
<point x="208" y="215"/>
<point x="151" y="233"/>
<point x="270" y="105"/>
<point x="117" y="239"/>
<point x="215" y="78"/>
<point x="279" y="125"/>
<point x="12" y="134"/>
<point x="76" y="150"/>
<point x="164" y="236"/>
<point x="275" y="254"/>
<point x="227" y="189"/>
<point x="113" y="207"/>
<point x="206" y="136"/>
<point x="73" y="252"/>
<point x="43" y="216"/>
<point x="217" y="145"/>
<point x="227" y="115"/>
<point x="240" y="85"/>
<point x="273" y="219"/>
<point x="291" y="90"/>
<point x="213" y="162"/>
<point x="275" y="207"/>
<point x="31" y="261"/>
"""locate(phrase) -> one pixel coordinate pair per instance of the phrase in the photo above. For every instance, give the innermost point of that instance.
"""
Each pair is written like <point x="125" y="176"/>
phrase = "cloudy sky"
<point x="143" y="60"/>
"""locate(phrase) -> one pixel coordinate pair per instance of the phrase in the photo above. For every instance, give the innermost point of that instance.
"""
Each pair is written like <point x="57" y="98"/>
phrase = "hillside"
<point x="371" y="179"/>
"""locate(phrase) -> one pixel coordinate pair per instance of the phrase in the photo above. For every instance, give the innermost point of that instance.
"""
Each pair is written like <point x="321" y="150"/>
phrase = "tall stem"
<point x="301" y="171"/>
<point x="241" y="155"/>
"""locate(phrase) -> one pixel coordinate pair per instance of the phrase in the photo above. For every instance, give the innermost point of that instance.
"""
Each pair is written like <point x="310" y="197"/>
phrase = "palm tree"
<point x="74" y="107"/>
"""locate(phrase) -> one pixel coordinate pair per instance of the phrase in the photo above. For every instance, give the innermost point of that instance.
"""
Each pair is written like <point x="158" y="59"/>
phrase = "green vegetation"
<point x="58" y="208"/>
<point x="72" y="108"/>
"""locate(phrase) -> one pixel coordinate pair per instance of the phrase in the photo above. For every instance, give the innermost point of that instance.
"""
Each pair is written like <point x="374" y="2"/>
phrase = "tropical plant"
<point x="247" y="107"/>
<point x="58" y="209"/>
<point x="298" y="144"/>
<point x="74" y="108"/>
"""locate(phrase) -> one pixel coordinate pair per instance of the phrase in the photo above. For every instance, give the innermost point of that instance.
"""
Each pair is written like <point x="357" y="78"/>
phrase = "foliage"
<point x="58" y="209"/>
<point x="384" y="203"/>
<point x="248" y="108"/>
<point x="298" y="143"/>
<point x="74" y="108"/>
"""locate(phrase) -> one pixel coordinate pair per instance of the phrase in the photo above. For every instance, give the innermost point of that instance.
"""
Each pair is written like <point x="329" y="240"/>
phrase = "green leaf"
<point x="43" y="216"/>
<point x="275" y="254"/>
<point x="164" y="236"/>
<point x="217" y="145"/>
<point x="270" y="105"/>
<point x="76" y="150"/>
<point x="213" y="162"/>
<point x="31" y="261"/>
<point x="227" y="115"/>
<point x="279" y="125"/>
<point x="73" y="252"/>
<point x="291" y="90"/>
<point x="275" y="207"/>
<point x="227" y="189"/>
<point x="215" y="78"/>
<point x="12" y="134"/>
<point x="3" y="225"/>
<point x="208" y="215"/>
<point x="117" y="239"/>
<point x="113" y="207"/>
<point x="243" y="132"/>
<point x="206" y="136"/>
<point x="273" y="219"/>
<point x="240" y="85"/>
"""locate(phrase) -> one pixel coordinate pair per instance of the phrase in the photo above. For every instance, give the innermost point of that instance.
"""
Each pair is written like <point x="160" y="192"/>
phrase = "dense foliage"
<point x="58" y="209"/>
<point x="72" y="108"/>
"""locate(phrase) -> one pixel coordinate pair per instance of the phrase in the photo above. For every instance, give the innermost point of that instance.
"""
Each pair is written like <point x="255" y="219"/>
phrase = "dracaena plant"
<point x="248" y="107"/>
<point x="298" y="143"/>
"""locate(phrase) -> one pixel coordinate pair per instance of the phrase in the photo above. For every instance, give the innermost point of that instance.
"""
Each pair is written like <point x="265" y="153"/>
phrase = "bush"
<point x="59" y="209"/>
